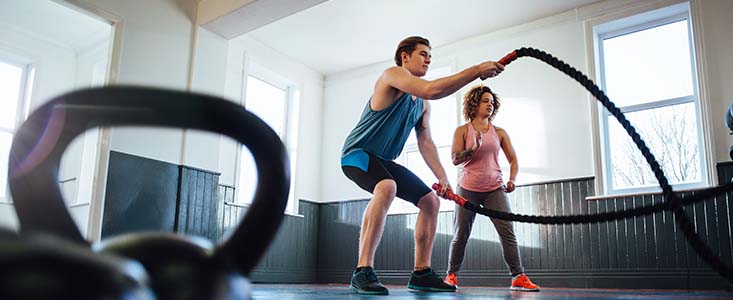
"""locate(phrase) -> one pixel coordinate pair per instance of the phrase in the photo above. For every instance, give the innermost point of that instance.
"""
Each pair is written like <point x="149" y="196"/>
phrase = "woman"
<point x="476" y="147"/>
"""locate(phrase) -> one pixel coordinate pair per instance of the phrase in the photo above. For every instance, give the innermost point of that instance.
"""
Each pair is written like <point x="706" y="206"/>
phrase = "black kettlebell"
<point x="178" y="267"/>
<point x="39" y="266"/>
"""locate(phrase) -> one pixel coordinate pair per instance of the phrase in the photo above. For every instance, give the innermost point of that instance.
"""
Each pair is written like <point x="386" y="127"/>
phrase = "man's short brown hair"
<point x="408" y="45"/>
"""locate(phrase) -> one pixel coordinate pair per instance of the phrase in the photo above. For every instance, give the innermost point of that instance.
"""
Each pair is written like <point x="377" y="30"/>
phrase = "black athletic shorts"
<point x="409" y="186"/>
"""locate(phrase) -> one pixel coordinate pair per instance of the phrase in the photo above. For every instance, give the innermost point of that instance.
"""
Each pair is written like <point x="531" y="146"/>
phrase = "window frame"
<point x="22" y="104"/>
<point x="641" y="21"/>
<point x="289" y="135"/>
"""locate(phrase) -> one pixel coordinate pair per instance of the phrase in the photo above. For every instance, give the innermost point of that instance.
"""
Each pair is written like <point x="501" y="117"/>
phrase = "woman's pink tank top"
<point x="482" y="173"/>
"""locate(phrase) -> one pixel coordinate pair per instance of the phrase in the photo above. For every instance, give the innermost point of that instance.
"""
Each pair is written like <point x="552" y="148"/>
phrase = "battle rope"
<point x="672" y="199"/>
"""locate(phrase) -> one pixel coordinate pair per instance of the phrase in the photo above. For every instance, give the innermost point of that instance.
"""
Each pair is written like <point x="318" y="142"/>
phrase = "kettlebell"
<point x="41" y="266"/>
<point x="175" y="267"/>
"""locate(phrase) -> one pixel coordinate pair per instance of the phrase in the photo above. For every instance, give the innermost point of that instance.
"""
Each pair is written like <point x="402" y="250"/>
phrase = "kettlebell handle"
<point x="40" y="141"/>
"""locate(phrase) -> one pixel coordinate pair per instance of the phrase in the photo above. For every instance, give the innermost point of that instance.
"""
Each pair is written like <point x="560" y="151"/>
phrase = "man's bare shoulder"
<point x="394" y="72"/>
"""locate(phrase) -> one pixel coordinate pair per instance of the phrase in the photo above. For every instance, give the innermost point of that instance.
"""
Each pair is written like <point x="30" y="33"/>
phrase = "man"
<point x="398" y="104"/>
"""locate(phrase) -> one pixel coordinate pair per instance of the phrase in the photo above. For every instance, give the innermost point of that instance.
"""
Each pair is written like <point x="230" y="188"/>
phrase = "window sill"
<point x="287" y="213"/>
<point x="640" y="194"/>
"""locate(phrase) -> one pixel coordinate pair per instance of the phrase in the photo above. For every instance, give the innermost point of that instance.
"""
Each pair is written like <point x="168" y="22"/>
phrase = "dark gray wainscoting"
<point x="642" y="252"/>
<point x="141" y="195"/>
<point x="198" y="212"/>
<point x="144" y="194"/>
<point x="292" y="255"/>
<point x="321" y="244"/>
<point x="543" y="248"/>
<point x="725" y="172"/>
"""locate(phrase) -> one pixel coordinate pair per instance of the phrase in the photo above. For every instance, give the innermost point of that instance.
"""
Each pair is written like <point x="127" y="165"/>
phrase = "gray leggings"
<point x="463" y="222"/>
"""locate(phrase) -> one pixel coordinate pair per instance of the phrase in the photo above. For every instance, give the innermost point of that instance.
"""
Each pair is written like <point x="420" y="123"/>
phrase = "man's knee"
<point x="386" y="188"/>
<point x="429" y="203"/>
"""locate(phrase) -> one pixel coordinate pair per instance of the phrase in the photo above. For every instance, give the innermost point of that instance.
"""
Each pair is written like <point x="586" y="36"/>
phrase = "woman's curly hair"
<point x="472" y="99"/>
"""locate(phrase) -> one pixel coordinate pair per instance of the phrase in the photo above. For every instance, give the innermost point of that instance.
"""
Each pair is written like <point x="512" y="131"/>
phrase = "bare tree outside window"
<point x="671" y="135"/>
<point x="647" y="69"/>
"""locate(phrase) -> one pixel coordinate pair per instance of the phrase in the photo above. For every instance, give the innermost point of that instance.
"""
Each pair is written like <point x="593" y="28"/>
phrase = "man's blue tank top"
<point x="382" y="133"/>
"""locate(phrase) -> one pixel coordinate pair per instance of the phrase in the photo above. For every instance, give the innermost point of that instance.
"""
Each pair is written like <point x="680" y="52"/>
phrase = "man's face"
<point x="418" y="61"/>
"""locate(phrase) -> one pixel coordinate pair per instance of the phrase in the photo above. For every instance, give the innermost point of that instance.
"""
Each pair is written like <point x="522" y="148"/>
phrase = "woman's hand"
<point x="477" y="140"/>
<point x="509" y="187"/>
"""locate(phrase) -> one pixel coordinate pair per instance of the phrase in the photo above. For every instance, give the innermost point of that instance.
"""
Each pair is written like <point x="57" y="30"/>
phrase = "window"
<point x="12" y="113"/>
<point x="276" y="104"/>
<point x="647" y="68"/>
<point x="443" y="122"/>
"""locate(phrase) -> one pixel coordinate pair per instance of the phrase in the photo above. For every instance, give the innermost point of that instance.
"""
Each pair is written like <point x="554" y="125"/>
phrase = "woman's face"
<point x="485" y="106"/>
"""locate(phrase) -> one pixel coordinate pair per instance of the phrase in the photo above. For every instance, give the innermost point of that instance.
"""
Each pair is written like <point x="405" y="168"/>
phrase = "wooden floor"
<point x="341" y="292"/>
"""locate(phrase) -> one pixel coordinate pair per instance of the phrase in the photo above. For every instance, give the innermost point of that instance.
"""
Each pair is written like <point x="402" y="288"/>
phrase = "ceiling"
<point x="232" y="19"/>
<point x="330" y="37"/>
<point x="40" y="19"/>
<point x="339" y="35"/>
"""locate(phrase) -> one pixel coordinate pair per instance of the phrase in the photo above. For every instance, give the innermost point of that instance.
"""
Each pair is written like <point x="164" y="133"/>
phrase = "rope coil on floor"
<point x="673" y="200"/>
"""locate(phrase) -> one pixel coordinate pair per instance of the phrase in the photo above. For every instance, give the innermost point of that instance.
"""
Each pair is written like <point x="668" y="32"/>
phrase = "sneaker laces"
<point x="367" y="277"/>
<point x="371" y="276"/>
<point x="433" y="276"/>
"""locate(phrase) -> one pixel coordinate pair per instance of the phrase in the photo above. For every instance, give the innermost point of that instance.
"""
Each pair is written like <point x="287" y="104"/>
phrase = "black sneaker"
<point x="366" y="282"/>
<point x="429" y="282"/>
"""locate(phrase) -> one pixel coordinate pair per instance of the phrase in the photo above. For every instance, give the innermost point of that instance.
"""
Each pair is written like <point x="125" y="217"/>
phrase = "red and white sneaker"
<point x="522" y="283"/>
<point x="451" y="279"/>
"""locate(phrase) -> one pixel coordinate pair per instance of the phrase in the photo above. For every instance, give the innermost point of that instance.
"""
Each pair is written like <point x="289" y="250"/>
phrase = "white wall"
<point x="545" y="112"/>
<point x="154" y="51"/>
<point x="54" y="63"/>
<point x="58" y="69"/>
<point x="54" y="74"/>
<point x="8" y="219"/>
<point x="310" y="85"/>
<point x="716" y="18"/>
<point x="546" y="115"/>
<point x="345" y="95"/>
<point x="202" y="149"/>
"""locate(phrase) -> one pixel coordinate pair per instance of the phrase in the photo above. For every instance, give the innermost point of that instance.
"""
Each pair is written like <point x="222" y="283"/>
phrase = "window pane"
<point x="671" y="134"/>
<point x="10" y="80"/>
<point x="292" y="204"/>
<point x="416" y="164"/>
<point x="648" y="65"/>
<point x="247" y="177"/>
<point x="443" y="111"/>
<point x="5" y="140"/>
<point x="267" y="102"/>
<point x="443" y="120"/>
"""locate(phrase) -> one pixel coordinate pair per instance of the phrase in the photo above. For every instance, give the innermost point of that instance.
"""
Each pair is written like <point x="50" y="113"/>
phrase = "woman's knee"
<point x="506" y="231"/>
<point x="460" y="238"/>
